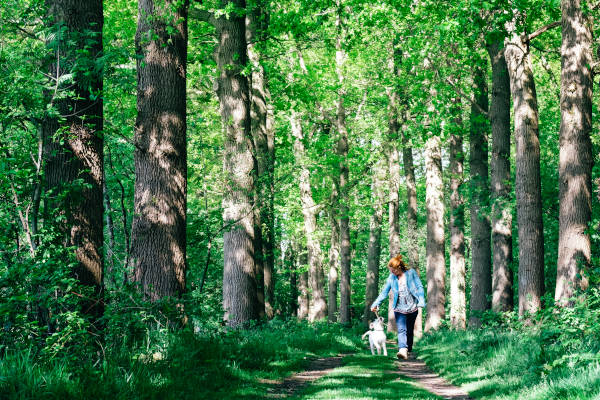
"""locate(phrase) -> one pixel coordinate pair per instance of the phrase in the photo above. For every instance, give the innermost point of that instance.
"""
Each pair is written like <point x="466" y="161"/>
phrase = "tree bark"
<point x="77" y="151"/>
<point x="411" y="210"/>
<point x="291" y="262"/>
<point x="318" y="307"/>
<point x="502" y="278"/>
<point x="481" y="268"/>
<point x="159" y="222"/>
<point x="256" y="25"/>
<point x="394" y="174"/>
<point x="576" y="158"/>
<point x="110" y="227"/>
<point x="411" y="199"/>
<point x="527" y="180"/>
<point x="436" y="264"/>
<point x="342" y="151"/>
<point x="457" y="222"/>
<point x="303" y="303"/>
<point x="239" y="280"/>
<point x="334" y="257"/>
<point x="393" y="164"/>
<point x="374" y="248"/>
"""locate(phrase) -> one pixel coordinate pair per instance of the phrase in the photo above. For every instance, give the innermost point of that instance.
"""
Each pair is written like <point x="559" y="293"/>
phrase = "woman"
<point x="408" y="293"/>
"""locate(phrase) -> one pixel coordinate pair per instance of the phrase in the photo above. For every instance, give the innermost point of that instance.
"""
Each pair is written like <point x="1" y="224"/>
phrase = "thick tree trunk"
<point x="318" y="308"/>
<point x="77" y="152"/>
<point x="481" y="267"/>
<point x="255" y="31"/>
<point x="502" y="278"/>
<point x="159" y="222"/>
<point x="458" y="311"/>
<point x="576" y="158"/>
<point x="374" y="249"/>
<point x="269" y="224"/>
<point x="527" y="181"/>
<point x="436" y="264"/>
<point x="239" y="280"/>
<point x="342" y="151"/>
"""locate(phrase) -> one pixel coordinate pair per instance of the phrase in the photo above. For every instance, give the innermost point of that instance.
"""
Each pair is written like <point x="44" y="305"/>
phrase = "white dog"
<point x="377" y="336"/>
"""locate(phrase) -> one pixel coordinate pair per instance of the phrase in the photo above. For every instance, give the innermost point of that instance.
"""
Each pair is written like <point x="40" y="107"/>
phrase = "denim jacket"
<point x="415" y="287"/>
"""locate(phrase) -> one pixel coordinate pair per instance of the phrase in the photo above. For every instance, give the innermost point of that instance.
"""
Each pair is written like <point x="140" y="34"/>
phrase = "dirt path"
<point x="315" y="370"/>
<point x="429" y="380"/>
<point x="411" y="368"/>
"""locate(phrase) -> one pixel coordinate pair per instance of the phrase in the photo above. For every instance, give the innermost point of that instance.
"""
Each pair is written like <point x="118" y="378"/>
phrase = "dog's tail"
<point x="367" y="333"/>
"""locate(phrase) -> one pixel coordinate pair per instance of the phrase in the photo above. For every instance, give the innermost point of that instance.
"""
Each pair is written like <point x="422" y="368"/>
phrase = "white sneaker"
<point x="402" y="353"/>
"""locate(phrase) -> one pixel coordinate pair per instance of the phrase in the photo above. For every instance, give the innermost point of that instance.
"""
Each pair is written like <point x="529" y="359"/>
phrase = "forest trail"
<point x="429" y="380"/>
<point x="363" y="376"/>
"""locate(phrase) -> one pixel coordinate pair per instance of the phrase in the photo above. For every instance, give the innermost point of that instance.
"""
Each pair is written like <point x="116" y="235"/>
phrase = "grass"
<point x="506" y="365"/>
<point x="230" y="365"/>
<point x="364" y="376"/>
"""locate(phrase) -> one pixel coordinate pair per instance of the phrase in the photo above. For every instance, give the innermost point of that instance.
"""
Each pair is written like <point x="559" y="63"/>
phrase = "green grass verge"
<point x="223" y="365"/>
<point x="507" y="365"/>
<point x="363" y="376"/>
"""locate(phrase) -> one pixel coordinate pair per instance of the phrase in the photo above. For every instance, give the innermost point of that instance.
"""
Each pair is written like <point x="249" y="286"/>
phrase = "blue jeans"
<point x="406" y="328"/>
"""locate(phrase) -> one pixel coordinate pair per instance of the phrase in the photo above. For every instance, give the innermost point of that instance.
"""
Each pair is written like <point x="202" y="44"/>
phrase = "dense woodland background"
<point x="175" y="169"/>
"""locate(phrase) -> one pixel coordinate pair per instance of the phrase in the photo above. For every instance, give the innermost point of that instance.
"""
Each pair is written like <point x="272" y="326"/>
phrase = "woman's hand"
<point x="374" y="309"/>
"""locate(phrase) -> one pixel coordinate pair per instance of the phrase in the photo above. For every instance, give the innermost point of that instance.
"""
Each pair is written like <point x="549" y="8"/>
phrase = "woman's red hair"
<point x="398" y="263"/>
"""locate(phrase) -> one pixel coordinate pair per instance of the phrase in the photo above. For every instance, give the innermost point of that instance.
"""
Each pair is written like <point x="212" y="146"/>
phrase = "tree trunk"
<point x="576" y="158"/>
<point x="269" y="224"/>
<point x="481" y="268"/>
<point x="334" y="257"/>
<point x="77" y="151"/>
<point x="342" y="151"/>
<point x="411" y="211"/>
<point x="239" y="280"/>
<point x="256" y="25"/>
<point x="159" y="222"/>
<point x="392" y="156"/>
<point x="110" y="227"/>
<point x="374" y="249"/>
<point x="502" y="278"/>
<point x="527" y="180"/>
<point x="291" y="262"/>
<point x="436" y="264"/>
<point x="394" y="175"/>
<point x="393" y="197"/>
<point x="303" y="304"/>
<point x="318" y="308"/>
<point x="411" y="199"/>
<point x="458" y="309"/>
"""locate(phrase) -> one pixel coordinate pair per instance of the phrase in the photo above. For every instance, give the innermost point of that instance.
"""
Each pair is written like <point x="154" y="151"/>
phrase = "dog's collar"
<point x="379" y="329"/>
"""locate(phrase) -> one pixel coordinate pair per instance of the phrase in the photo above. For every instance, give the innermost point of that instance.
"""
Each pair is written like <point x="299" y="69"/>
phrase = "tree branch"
<point x="463" y="95"/>
<point x="202" y="15"/>
<point x="542" y="30"/>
